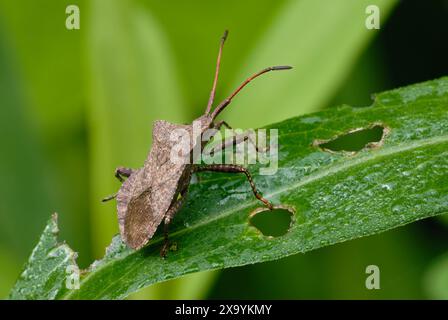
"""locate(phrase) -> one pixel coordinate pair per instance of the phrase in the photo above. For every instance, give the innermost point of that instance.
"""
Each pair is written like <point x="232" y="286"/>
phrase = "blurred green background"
<point x="75" y="104"/>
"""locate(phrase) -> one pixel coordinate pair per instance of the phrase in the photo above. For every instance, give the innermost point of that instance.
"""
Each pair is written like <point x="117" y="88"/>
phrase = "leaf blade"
<point x="337" y="197"/>
<point x="45" y="273"/>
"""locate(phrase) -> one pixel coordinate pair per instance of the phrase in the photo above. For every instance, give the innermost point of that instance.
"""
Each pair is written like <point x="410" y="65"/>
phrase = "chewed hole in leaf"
<point x="355" y="140"/>
<point x="272" y="223"/>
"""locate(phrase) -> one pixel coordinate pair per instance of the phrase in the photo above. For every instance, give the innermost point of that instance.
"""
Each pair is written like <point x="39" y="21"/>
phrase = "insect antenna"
<point x="215" y="81"/>
<point x="227" y="101"/>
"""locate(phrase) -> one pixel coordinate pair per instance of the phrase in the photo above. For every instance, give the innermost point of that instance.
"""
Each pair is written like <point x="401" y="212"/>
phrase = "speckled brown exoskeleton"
<point x="156" y="191"/>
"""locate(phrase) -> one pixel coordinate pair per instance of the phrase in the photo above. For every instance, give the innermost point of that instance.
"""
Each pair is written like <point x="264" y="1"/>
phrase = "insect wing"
<point x="140" y="221"/>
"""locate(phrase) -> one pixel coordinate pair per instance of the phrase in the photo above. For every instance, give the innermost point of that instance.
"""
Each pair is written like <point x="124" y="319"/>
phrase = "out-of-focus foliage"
<point x="436" y="278"/>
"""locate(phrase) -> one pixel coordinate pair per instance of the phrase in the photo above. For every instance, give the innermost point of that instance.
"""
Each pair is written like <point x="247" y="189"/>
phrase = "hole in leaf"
<point x="272" y="223"/>
<point x="356" y="140"/>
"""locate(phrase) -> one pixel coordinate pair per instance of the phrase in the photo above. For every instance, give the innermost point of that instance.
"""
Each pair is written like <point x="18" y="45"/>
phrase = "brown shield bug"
<point x="155" y="192"/>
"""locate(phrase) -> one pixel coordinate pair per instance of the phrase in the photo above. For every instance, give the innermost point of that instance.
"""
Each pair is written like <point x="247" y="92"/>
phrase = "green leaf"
<point x="337" y="196"/>
<point x="45" y="273"/>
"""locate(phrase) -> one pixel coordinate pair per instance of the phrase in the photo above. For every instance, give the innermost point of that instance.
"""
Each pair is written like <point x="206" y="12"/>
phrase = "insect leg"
<point x="227" y="142"/>
<point x="233" y="168"/>
<point x="222" y="123"/>
<point x="237" y="139"/>
<point x="108" y="198"/>
<point x="167" y="220"/>
<point x="121" y="172"/>
<point x="218" y="127"/>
